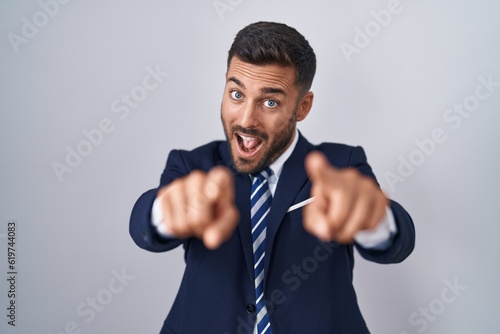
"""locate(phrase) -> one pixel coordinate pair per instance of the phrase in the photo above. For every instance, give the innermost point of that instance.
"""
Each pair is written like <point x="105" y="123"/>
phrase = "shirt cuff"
<point x="381" y="237"/>
<point x="157" y="220"/>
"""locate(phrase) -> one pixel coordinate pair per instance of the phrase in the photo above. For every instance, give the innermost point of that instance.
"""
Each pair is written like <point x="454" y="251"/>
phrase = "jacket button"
<point x="251" y="309"/>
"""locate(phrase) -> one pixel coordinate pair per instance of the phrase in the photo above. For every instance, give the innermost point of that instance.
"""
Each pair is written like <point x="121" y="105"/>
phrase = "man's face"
<point x="259" y="112"/>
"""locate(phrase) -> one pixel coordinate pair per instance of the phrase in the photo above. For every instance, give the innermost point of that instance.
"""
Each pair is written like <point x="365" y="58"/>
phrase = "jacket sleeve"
<point x="403" y="242"/>
<point x="141" y="228"/>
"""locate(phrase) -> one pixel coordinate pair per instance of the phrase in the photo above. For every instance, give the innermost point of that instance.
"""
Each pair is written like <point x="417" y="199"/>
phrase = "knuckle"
<point x="196" y="204"/>
<point x="195" y="218"/>
<point x="196" y="173"/>
<point x="177" y="229"/>
<point x="337" y="216"/>
<point x="351" y="173"/>
<point x="368" y="183"/>
<point x="170" y="190"/>
<point x="194" y="178"/>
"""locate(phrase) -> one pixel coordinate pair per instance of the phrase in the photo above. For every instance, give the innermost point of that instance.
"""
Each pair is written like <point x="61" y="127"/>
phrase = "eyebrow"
<point x="263" y="90"/>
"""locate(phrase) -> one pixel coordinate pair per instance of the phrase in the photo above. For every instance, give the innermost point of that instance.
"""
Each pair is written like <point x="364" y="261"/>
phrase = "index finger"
<point x="317" y="166"/>
<point x="219" y="185"/>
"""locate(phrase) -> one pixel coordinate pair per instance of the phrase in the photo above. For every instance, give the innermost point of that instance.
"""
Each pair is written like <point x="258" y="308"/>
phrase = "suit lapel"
<point x="292" y="179"/>
<point x="242" y="200"/>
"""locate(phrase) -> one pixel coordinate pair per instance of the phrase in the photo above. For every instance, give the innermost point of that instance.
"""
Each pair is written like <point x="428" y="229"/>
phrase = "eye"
<point x="271" y="103"/>
<point x="236" y="95"/>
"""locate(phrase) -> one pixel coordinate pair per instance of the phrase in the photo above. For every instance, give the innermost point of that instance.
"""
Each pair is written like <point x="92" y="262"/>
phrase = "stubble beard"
<point x="272" y="152"/>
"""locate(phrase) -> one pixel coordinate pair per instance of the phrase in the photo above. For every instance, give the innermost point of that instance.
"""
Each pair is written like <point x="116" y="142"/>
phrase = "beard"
<point x="271" y="150"/>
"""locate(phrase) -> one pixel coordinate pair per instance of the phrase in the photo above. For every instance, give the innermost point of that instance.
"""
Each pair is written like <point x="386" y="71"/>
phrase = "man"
<point x="269" y="221"/>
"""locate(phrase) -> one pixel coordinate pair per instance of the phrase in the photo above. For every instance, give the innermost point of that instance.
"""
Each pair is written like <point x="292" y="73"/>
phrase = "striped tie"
<point x="260" y="200"/>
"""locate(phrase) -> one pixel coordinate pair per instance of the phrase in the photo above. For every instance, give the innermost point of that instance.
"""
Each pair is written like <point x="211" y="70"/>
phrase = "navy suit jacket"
<point x="308" y="283"/>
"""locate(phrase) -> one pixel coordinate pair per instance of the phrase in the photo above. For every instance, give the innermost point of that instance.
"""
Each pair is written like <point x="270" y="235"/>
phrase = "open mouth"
<point x="248" y="145"/>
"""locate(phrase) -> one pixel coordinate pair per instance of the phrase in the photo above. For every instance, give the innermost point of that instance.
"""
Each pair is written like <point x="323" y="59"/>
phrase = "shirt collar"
<point x="277" y="165"/>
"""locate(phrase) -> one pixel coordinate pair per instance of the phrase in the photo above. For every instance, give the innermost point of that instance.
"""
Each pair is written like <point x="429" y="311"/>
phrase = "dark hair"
<point x="263" y="43"/>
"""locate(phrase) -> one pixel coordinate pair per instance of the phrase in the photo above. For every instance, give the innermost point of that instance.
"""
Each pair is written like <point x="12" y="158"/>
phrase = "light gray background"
<point x="73" y="234"/>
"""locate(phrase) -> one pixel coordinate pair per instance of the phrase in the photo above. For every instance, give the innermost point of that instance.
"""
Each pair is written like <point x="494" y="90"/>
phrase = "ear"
<point x="305" y="106"/>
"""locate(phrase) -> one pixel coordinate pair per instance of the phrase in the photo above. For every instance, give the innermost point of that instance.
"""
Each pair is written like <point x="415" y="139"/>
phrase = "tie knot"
<point x="265" y="174"/>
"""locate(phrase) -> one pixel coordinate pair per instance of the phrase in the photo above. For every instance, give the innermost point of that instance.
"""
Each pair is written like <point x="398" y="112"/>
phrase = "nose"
<point x="249" y="115"/>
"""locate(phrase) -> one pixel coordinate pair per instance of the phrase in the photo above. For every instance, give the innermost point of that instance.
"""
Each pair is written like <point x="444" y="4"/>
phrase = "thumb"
<point x="316" y="165"/>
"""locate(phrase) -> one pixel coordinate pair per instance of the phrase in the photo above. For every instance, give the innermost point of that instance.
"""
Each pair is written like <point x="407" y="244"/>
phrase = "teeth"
<point x="247" y="139"/>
